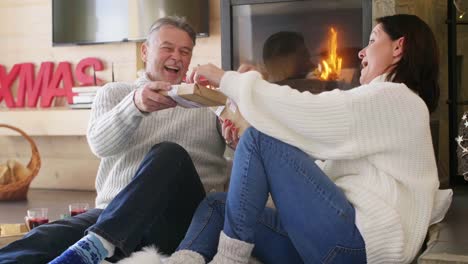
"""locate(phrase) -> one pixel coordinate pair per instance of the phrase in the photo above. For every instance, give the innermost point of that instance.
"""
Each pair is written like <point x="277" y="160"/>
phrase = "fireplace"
<point x="247" y="24"/>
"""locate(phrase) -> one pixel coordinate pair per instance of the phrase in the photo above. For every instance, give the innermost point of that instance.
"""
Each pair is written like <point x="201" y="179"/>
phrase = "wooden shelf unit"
<point x="56" y="121"/>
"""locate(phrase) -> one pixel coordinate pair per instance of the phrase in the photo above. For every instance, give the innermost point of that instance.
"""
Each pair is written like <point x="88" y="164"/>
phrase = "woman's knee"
<point x="251" y="133"/>
<point x="250" y="136"/>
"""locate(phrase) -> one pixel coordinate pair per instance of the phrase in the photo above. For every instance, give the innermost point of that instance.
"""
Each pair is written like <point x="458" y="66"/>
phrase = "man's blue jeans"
<point x="156" y="207"/>
<point x="313" y="222"/>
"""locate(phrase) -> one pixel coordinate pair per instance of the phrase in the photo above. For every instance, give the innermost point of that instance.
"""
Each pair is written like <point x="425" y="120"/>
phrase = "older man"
<point x="146" y="194"/>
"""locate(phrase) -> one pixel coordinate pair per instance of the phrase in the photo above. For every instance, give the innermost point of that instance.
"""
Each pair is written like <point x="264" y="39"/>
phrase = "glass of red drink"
<point x="36" y="217"/>
<point x="78" y="208"/>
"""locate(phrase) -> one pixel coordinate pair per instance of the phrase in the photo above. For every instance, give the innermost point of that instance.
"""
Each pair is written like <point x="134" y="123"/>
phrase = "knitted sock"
<point x="107" y="245"/>
<point x="185" y="256"/>
<point x="88" y="250"/>
<point x="232" y="251"/>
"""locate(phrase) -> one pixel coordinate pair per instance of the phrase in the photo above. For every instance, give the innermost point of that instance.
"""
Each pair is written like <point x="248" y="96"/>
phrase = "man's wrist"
<point x="136" y="104"/>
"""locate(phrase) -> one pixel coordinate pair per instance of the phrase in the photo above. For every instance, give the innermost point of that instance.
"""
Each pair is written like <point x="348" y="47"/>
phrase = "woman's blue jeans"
<point x="313" y="221"/>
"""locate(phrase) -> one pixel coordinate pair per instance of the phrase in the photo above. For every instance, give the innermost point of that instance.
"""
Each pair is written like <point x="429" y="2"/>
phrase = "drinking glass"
<point x="78" y="208"/>
<point x="36" y="217"/>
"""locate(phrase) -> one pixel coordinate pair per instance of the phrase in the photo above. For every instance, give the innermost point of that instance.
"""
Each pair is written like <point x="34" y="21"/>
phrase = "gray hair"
<point x="175" y="21"/>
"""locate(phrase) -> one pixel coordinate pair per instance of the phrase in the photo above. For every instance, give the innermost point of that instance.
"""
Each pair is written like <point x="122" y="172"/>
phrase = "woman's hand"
<point x="207" y="74"/>
<point x="230" y="133"/>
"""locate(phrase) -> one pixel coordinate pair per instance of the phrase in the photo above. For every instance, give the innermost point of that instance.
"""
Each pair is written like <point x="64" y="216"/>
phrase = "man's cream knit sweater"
<point x="377" y="145"/>
<point x="121" y="136"/>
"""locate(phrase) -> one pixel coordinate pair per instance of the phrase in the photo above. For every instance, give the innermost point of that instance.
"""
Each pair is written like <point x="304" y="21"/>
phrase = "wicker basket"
<point x="19" y="190"/>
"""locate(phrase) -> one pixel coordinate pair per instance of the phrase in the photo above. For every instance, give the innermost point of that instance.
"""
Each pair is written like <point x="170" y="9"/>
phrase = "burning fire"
<point x="330" y="69"/>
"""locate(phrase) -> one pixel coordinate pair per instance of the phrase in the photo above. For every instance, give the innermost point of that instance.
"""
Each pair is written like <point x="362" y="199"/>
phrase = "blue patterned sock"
<point x="89" y="250"/>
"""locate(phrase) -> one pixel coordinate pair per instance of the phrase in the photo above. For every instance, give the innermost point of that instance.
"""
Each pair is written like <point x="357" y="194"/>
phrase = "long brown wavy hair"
<point x="419" y="66"/>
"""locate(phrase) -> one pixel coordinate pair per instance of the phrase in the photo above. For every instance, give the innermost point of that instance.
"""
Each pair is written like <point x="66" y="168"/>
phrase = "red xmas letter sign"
<point x="6" y="79"/>
<point x="81" y="68"/>
<point x="47" y="84"/>
<point x="62" y="75"/>
<point x="30" y="88"/>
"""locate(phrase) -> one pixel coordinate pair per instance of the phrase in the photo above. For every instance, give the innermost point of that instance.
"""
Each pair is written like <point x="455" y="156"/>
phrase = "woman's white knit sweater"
<point x="121" y="136"/>
<point x="376" y="143"/>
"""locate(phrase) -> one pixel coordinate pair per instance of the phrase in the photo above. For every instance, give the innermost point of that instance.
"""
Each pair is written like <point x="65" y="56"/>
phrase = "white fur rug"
<point x="150" y="255"/>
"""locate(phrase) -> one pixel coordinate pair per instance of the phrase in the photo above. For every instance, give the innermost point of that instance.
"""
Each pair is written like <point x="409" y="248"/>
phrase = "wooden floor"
<point x="450" y="241"/>
<point x="56" y="200"/>
<point x="450" y="245"/>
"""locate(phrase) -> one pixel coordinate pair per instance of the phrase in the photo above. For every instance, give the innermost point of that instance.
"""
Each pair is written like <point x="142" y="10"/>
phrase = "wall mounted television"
<point x="80" y="22"/>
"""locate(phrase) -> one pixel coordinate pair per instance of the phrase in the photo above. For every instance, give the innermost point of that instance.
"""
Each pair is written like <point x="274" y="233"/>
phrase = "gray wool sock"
<point x="185" y="256"/>
<point x="232" y="251"/>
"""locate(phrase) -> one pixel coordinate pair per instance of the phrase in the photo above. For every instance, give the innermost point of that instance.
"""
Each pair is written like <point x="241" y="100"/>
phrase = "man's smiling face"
<point x="167" y="54"/>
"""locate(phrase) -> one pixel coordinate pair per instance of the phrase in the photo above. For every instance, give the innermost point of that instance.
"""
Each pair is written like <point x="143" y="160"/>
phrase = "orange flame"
<point x="330" y="69"/>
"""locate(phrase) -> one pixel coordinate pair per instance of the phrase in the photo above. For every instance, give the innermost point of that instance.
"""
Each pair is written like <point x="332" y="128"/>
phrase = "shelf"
<point x="59" y="121"/>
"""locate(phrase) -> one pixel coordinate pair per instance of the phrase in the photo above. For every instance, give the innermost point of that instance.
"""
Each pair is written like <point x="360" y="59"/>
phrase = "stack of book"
<point x="84" y="98"/>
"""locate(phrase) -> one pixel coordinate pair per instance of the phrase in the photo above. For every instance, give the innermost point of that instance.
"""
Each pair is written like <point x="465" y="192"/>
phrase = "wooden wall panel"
<point x="70" y="147"/>
<point x="26" y="33"/>
<point x="63" y="173"/>
<point x="67" y="161"/>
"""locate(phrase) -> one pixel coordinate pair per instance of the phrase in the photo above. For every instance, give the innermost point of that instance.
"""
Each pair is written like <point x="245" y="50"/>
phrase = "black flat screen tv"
<point x="79" y="22"/>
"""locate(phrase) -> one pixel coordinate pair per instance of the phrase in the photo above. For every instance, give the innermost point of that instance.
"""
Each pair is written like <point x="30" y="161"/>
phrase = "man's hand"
<point x="207" y="74"/>
<point x="147" y="98"/>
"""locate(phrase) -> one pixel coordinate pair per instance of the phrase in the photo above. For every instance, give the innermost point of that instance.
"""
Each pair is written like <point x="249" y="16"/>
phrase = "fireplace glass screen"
<point x="321" y="35"/>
